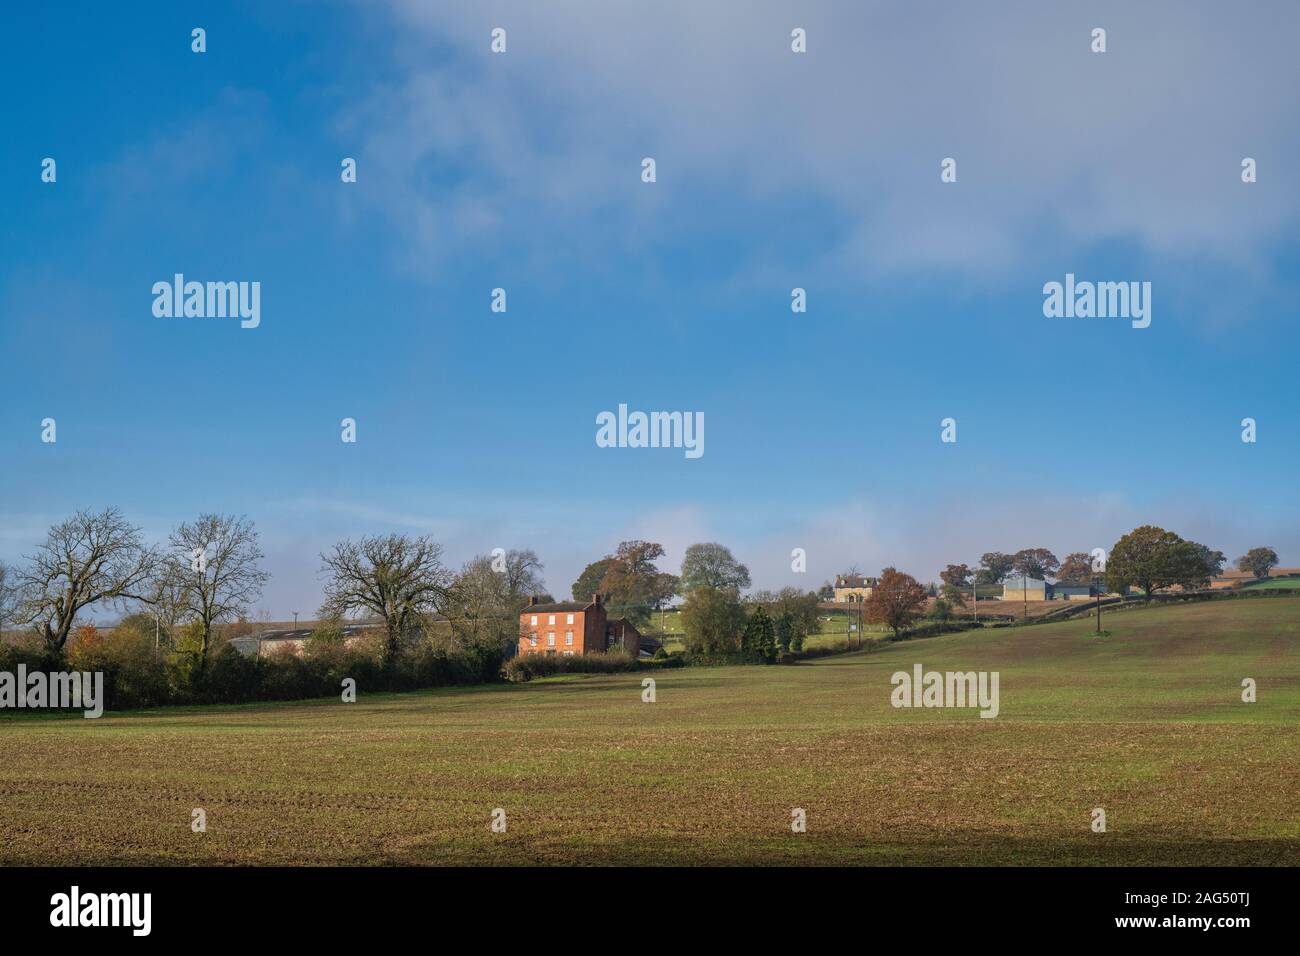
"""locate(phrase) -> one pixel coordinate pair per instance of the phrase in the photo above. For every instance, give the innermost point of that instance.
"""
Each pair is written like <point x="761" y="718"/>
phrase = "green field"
<point x="1147" y="724"/>
<point x="1273" y="584"/>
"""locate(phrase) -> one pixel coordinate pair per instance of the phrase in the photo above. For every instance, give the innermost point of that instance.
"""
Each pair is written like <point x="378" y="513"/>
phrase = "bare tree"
<point x="8" y="594"/>
<point x="489" y="593"/>
<point x="521" y="575"/>
<point x="214" y="571"/>
<point x="167" y="598"/>
<point x="399" y="578"/>
<point x="87" y="560"/>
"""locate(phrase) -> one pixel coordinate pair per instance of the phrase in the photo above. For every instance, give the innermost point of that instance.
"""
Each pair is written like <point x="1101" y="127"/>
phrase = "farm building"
<point x="852" y="588"/>
<point x="1065" y="591"/>
<point x="571" y="628"/>
<point x="258" y="645"/>
<point x="1019" y="587"/>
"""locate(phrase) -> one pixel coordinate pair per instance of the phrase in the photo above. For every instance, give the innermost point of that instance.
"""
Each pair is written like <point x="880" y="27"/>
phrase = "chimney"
<point x="595" y="599"/>
<point x="532" y="600"/>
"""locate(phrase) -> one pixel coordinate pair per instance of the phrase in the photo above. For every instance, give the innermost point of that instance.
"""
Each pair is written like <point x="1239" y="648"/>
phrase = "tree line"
<point x="1148" y="558"/>
<point x="195" y="589"/>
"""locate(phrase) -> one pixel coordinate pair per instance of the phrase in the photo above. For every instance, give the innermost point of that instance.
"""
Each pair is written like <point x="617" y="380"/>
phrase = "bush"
<point x="525" y="667"/>
<point x="135" y="673"/>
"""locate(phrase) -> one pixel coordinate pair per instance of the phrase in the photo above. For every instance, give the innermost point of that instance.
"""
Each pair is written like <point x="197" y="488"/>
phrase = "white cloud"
<point x="1057" y="148"/>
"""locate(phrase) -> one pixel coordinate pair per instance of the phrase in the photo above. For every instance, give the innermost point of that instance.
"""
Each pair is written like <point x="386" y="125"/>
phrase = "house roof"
<point x="1015" y="581"/>
<point x="854" y="581"/>
<point x="557" y="606"/>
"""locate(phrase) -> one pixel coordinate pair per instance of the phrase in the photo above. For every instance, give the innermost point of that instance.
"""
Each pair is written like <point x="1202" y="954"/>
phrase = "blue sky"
<point x="775" y="170"/>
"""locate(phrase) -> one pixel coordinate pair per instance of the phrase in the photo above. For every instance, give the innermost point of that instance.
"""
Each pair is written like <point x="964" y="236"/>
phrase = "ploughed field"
<point x="1147" y="724"/>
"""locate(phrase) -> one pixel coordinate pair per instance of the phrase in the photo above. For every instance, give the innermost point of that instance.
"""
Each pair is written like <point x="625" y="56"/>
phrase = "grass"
<point x="1272" y="583"/>
<point x="1147" y="723"/>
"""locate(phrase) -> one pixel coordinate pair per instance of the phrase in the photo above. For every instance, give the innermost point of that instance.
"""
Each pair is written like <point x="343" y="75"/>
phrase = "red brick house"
<point x="570" y="628"/>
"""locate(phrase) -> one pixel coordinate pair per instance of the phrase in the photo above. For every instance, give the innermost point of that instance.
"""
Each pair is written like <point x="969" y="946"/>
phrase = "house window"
<point x="550" y="638"/>
<point x="568" y="637"/>
<point x="550" y="619"/>
<point x="532" y="638"/>
<point x="568" y="653"/>
<point x="534" y="621"/>
<point x="570" y="620"/>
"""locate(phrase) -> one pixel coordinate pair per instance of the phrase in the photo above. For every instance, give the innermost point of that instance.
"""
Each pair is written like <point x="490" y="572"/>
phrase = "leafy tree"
<point x="1035" y="563"/>
<point x="713" y="619"/>
<point x="1258" y="561"/>
<point x="801" y="606"/>
<point x="994" y="566"/>
<point x="952" y="595"/>
<point x="896" y="601"/>
<point x="591" y="578"/>
<point x="1151" y="559"/>
<point x="786" y="632"/>
<point x="957" y="580"/>
<point x="633" y="585"/>
<point x="712" y="565"/>
<point x="956" y="575"/>
<point x="1210" y="564"/>
<point x="1076" y="568"/>
<point x="940" y="610"/>
<point x="399" y="578"/>
<point x="90" y="559"/>
<point x="759" y="639"/>
<point x="826" y="592"/>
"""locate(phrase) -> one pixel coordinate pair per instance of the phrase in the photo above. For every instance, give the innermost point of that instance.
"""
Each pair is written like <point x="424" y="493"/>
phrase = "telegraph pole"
<point x="1097" y="588"/>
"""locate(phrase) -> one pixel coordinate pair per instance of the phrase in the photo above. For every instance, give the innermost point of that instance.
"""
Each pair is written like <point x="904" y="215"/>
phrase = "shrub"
<point x="525" y="667"/>
<point x="135" y="673"/>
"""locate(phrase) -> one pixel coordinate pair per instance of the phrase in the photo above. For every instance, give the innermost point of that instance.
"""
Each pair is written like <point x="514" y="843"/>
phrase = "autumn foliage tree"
<point x="633" y="584"/>
<point x="896" y="601"/>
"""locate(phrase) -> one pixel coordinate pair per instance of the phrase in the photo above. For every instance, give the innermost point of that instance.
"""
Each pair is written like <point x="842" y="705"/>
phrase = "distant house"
<point x="571" y="628"/>
<point x="853" y="588"/>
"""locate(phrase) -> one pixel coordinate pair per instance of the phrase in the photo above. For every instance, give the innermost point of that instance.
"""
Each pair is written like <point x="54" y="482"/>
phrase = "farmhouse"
<point x="571" y="628"/>
<point x="853" y="588"/>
